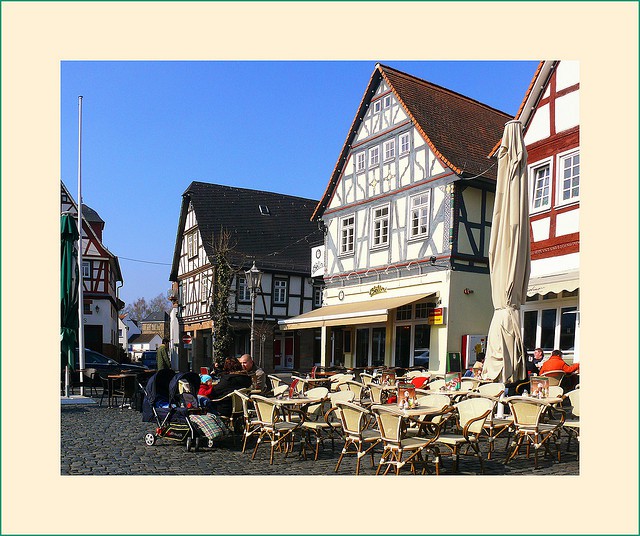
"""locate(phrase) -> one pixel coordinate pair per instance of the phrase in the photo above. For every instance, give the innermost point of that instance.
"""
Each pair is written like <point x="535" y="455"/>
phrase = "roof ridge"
<point x="442" y="88"/>
<point x="278" y="194"/>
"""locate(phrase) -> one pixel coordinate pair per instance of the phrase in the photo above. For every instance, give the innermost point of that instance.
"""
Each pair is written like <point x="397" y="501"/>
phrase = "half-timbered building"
<point x="100" y="276"/>
<point x="407" y="213"/>
<point x="550" y="114"/>
<point x="273" y="230"/>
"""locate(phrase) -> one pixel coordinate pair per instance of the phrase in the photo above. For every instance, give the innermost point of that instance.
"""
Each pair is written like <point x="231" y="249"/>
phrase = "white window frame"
<point x="557" y="304"/>
<point x="361" y="161"/>
<point x="532" y="184"/>
<point x="204" y="287"/>
<point x="374" y="156"/>
<point x="280" y="291"/>
<point x="562" y="157"/>
<point x="377" y="106"/>
<point x="419" y="211"/>
<point x="192" y="244"/>
<point x="389" y="149"/>
<point x="86" y="269"/>
<point x="405" y="141"/>
<point x="244" y="292"/>
<point x="347" y="234"/>
<point x="386" y="102"/>
<point x="380" y="223"/>
<point x="317" y="296"/>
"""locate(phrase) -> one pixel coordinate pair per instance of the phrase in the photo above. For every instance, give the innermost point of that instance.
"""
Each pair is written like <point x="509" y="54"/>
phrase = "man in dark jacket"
<point x="258" y="377"/>
<point x="162" y="356"/>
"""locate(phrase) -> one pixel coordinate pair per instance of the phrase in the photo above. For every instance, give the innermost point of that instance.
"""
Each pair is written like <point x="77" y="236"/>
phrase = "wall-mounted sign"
<point x="378" y="289"/>
<point x="317" y="261"/>
<point x="435" y="316"/>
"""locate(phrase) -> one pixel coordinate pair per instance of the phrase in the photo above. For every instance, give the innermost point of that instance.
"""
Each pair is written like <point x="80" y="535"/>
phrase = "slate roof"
<point x="279" y="241"/>
<point x="459" y="130"/>
<point x="157" y="316"/>
<point x="142" y="338"/>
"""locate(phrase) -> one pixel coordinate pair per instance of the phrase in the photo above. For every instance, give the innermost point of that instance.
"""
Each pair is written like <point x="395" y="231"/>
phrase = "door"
<point x="403" y="346"/>
<point x="362" y="347"/>
<point x="288" y="351"/>
<point x="93" y="337"/>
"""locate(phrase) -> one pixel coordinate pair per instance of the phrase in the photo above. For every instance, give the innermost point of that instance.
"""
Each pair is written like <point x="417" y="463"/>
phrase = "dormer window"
<point x="264" y="210"/>
<point x="376" y="106"/>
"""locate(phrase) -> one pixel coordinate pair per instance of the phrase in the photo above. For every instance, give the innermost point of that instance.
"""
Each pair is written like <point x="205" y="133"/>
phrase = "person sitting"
<point x="535" y="362"/>
<point x="204" y="393"/>
<point x="476" y="370"/>
<point x="233" y="377"/>
<point x="555" y="362"/>
<point x="258" y="377"/>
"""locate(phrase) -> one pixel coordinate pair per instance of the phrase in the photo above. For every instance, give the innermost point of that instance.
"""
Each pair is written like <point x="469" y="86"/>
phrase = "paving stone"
<point x="99" y="440"/>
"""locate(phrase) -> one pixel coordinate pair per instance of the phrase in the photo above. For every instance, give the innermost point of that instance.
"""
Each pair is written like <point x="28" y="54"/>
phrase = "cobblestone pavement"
<point x="110" y="441"/>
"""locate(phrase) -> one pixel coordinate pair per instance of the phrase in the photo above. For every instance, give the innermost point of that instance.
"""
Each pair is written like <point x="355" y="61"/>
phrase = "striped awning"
<point x="554" y="283"/>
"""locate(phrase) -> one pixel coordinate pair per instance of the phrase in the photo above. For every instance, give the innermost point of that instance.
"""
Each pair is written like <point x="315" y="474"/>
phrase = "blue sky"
<point x="150" y="128"/>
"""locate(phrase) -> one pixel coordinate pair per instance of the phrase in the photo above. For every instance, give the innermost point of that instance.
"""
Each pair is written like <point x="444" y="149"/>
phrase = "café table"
<point x="116" y="385"/>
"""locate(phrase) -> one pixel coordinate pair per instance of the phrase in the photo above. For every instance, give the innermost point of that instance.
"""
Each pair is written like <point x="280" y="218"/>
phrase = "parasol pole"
<point x="81" y="278"/>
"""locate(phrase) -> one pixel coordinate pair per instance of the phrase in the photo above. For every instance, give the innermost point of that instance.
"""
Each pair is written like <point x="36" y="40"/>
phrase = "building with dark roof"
<point x="407" y="212"/>
<point x="273" y="230"/>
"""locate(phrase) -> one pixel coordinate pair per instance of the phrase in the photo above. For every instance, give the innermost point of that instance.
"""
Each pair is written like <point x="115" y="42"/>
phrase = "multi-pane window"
<point x="374" y="156"/>
<point x="376" y="106"/>
<point x="387" y="101"/>
<point x="360" y="161"/>
<point x="404" y="143"/>
<point x="404" y="312"/>
<point x="541" y="197"/>
<point x="86" y="269"/>
<point x="347" y="231"/>
<point x="280" y="291"/>
<point x="570" y="179"/>
<point x="204" y="287"/>
<point x="192" y="244"/>
<point x="419" y="215"/>
<point x="244" y="293"/>
<point x="317" y="296"/>
<point x="389" y="149"/>
<point x="380" y="226"/>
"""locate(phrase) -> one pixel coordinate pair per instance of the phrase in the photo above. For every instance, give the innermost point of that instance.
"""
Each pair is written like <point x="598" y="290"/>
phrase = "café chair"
<point x="356" y="388"/>
<point x="338" y="379"/>
<point x="530" y="430"/>
<point x="497" y="423"/>
<point x="251" y="425"/>
<point x="276" y="381"/>
<point x="314" y="424"/>
<point x="435" y="401"/>
<point x="366" y="379"/>
<point x="377" y="394"/>
<point x="360" y="439"/>
<point x="279" y="432"/>
<point x="572" y="423"/>
<point x="435" y="385"/>
<point x="555" y="377"/>
<point x="280" y="390"/>
<point x="471" y="415"/>
<point x="396" y="442"/>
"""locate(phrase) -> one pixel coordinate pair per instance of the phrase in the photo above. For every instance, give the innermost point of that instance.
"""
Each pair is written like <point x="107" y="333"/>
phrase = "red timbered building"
<point x="100" y="275"/>
<point x="550" y="116"/>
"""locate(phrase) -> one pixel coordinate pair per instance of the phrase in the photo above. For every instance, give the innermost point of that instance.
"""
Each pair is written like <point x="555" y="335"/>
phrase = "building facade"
<point x="101" y="277"/>
<point x="550" y="114"/>
<point x="276" y="232"/>
<point x="407" y="214"/>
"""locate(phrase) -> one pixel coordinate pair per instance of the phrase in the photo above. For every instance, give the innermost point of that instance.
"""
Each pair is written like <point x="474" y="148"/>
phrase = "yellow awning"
<point x="363" y="312"/>
<point x="554" y="283"/>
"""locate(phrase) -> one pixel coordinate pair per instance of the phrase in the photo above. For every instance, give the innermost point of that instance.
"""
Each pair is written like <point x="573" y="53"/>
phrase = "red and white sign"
<point x="186" y="339"/>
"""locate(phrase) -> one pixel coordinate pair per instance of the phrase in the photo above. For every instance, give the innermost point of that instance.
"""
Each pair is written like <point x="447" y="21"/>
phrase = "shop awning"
<point x="554" y="283"/>
<point x="364" y="312"/>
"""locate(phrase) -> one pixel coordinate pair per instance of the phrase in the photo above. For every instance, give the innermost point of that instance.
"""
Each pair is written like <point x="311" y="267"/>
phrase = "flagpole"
<point x="81" y="278"/>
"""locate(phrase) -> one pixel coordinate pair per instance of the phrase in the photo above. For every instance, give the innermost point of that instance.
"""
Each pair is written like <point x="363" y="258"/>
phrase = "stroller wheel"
<point x="189" y="443"/>
<point x="150" y="439"/>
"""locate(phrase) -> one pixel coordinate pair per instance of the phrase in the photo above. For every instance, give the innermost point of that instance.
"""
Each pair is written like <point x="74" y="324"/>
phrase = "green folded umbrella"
<point x="69" y="277"/>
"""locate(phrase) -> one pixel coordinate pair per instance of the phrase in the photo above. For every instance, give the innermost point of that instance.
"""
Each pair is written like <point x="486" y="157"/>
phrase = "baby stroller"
<point x="169" y="400"/>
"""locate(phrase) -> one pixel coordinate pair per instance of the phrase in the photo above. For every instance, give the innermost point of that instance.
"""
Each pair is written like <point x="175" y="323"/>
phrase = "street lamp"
<point x="253" y="278"/>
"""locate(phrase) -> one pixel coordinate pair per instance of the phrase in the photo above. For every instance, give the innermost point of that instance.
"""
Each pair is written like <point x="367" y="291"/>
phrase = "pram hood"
<point x="191" y="377"/>
<point x="158" y="386"/>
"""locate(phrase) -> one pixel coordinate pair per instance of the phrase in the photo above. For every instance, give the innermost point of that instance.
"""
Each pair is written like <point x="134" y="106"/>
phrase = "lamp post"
<point x="253" y="278"/>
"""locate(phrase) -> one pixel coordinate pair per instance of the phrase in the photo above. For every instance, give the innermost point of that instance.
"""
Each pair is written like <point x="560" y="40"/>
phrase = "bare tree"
<point x="159" y="304"/>
<point x="141" y="308"/>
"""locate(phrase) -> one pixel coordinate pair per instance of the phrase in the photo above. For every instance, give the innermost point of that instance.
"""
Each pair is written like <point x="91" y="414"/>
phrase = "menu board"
<point x="406" y="395"/>
<point x="539" y="386"/>
<point x="452" y="381"/>
<point x="388" y="378"/>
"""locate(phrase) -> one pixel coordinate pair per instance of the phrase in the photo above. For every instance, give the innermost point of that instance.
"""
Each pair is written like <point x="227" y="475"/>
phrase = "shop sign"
<point x="435" y="316"/>
<point x="378" y="289"/>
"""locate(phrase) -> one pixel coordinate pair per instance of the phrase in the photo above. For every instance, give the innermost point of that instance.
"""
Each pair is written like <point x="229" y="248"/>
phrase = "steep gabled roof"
<point x="278" y="236"/>
<point x="142" y="338"/>
<point x="532" y="96"/>
<point x="156" y="316"/>
<point x="459" y="130"/>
